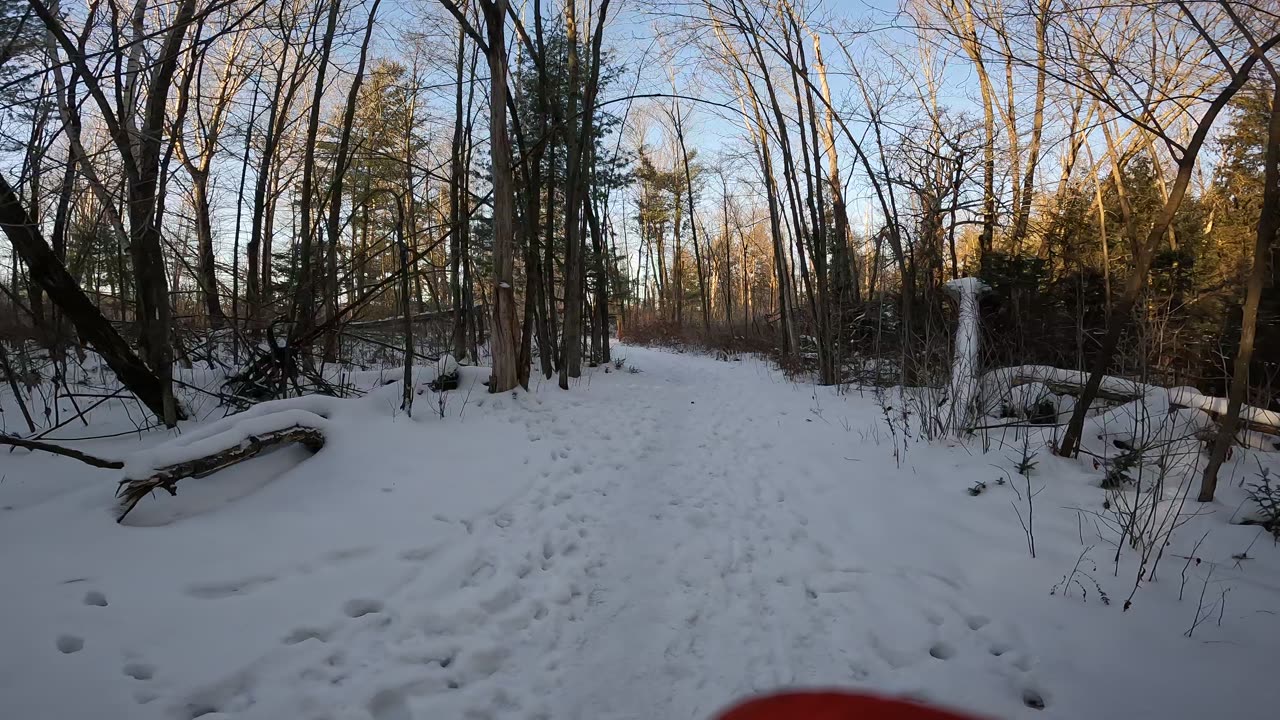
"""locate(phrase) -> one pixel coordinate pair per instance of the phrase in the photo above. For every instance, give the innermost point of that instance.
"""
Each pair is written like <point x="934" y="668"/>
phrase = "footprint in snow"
<point x="942" y="651"/>
<point x="977" y="622"/>
<point x="303" y="634"/>
<point x="417" y="554"/>
<point x="1033" y="699"/>
<point x="95" y="598"/>
<point x="139" y="671"/>
<point x="359" y="607"/>
<point x="68" y="644"/>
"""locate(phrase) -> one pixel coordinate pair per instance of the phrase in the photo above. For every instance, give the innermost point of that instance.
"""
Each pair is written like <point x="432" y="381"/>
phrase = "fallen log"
<point x="1114" y="389"/>
<point x="132" y="490"/>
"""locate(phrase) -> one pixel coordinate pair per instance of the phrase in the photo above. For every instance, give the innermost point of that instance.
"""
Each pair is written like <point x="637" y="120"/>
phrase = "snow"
<point x="645" y="545"/>
<point x="964" y="370"/>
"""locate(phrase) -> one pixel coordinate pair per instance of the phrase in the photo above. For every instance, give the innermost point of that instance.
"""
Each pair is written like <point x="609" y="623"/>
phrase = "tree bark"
<point x="504" y="344"/>
<point x="1268" y="225"/>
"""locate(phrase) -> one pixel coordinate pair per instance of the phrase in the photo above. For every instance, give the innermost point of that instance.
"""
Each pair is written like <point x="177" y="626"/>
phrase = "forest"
<point x="519" y="181"/>
<point x="400" y="359"/>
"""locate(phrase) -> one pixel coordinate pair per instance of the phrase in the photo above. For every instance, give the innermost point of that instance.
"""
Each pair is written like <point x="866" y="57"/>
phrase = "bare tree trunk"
<point x="1145" y="251"/>
<point x="148" y="257"/>
<point x="536" y="287"/>
<point x="839" y="211"/>
<point x="728" y="261"/>
<point x="578" y="182"/>
<point x="333" y="226"/>
<point x="1022" y="212"/>
<point x="406" y="310"/>
<point x="504" y="344"/>
<point x="571" y="364"/>
<point x="1268" y="225"/>
<point x="600" y="302"/>
<point x="258" y="283"/>
<point x="235" y="253"/>
<point x="693" y="223"/>
<point x="198" y="163"/>
<point x="46" y="269"/>
<point x="307" y="277"/>
<point x="457" y="213"/>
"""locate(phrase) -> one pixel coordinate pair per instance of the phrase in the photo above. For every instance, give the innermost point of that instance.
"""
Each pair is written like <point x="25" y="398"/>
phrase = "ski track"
<point x="651" y="579"/>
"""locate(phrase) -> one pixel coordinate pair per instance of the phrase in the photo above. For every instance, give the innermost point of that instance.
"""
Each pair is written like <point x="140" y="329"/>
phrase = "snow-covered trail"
<point x="648" y="545"/>
<point x="668" y="558"/>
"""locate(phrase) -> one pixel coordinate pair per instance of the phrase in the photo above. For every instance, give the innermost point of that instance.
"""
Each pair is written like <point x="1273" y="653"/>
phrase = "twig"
<point x="13" y="384"/>
<point x="1195" y="622"/>
<point x="1190" y="557"/>
<point x="59" y="450"/>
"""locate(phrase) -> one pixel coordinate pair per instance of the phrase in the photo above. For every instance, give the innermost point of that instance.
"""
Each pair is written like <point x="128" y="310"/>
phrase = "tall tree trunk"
<point x="206" y="270"/>
<point x="235" y="253"/>
<point x="457" y="213"/>
<point x="1145" y="251"/>
<point x="839" y="211"/>
<point x="333" y="225"/>
<point x="600" y="326"/>
<point x="258" y="260"/>
<point x="571" y="364"/>
<point x="307" y="277"/>
<point x="1268" y="225"/>
<point x="147" y="254"/>
<point x="1022" y="213"/>
<point x="504" y="344"/>
<point x="693" y="222"/>
<point x="582" y="97"/>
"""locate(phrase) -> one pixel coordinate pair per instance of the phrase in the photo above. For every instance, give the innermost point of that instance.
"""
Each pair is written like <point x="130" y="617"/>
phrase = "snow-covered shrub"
<point x="446" y="374"/>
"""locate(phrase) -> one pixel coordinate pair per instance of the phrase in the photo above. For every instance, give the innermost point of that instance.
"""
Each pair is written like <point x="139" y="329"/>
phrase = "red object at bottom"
<point x="835" y="706"/>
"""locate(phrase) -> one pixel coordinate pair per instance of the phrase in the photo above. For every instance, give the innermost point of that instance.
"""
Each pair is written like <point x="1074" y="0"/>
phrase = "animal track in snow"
<point x="95" y="598"/>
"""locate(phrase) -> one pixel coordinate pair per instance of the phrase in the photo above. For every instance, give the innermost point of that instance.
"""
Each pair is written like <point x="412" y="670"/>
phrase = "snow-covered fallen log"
<point x="220" y="444"/>
<point x="1003" y="387"/>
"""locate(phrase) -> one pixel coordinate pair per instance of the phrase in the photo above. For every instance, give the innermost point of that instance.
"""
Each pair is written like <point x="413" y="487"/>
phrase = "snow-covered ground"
<point x="648" y="545"/>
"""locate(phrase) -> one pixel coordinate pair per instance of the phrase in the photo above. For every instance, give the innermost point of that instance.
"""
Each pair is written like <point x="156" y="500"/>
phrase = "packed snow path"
<point x="648" y="545"/>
